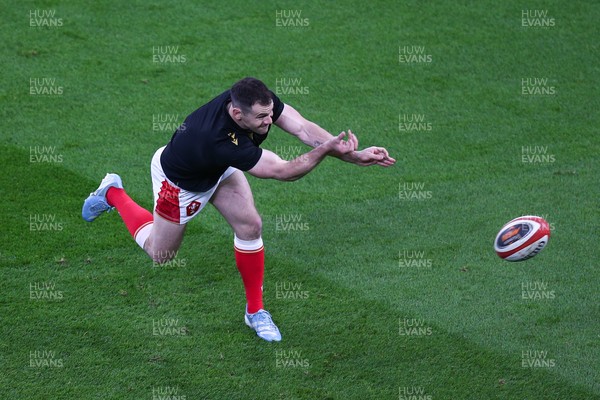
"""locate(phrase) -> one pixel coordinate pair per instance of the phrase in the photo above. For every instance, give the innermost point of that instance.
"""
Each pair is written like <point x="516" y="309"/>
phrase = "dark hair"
<point x="247" y="91"/>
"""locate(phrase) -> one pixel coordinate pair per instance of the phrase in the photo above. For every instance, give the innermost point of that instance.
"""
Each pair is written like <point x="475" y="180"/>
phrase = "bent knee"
<point x="158" y="259"/>
<point x="161" y="256"/>
<point x="250" y="229"/>
<point x="160" y="252"/>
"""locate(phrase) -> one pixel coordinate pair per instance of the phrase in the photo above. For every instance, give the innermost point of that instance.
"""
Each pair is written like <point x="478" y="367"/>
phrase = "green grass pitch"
<point x="383" y="282"/>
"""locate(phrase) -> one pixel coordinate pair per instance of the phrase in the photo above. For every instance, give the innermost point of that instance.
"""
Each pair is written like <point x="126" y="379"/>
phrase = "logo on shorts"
<point x="192" y="208"/>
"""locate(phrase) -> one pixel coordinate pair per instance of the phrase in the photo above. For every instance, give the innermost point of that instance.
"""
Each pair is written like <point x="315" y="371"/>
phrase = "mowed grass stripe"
<point x="485" y="300"/>
<point x="349" y="60"/>
<point x="341" y="334"/>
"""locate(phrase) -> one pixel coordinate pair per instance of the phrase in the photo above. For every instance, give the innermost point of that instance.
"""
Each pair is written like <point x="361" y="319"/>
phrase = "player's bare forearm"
<point x="334" y="146"/>
<point x="303" y="164"/>
<point x="366" y="157"/>
<point x="305" y="130"/>
<point x="315" y="136"/>
<point x="270" y="165"/>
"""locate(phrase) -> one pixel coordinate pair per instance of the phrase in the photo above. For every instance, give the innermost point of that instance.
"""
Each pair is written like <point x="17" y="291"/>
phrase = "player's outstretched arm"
<point x="313" y="135"/>
<point x="270" y="165"/>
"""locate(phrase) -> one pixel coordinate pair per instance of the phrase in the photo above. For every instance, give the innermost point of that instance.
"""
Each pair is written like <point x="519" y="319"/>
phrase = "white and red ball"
<point x="522" y="238"/>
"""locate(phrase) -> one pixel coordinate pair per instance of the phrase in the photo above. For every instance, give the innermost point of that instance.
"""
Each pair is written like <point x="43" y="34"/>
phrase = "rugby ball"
<point x="522" y="238"/>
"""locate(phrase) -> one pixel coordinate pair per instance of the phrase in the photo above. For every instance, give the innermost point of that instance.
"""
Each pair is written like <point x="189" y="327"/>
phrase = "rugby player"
<point x="204" y="163"/>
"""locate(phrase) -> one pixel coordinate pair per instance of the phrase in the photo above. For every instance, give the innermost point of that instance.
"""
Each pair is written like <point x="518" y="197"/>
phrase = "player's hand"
<point x="373" y="155"/>
<point x="337" y="146"/>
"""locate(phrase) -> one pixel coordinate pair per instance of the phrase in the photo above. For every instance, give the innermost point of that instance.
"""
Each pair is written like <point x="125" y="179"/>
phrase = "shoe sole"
<point x="90" y="217"/>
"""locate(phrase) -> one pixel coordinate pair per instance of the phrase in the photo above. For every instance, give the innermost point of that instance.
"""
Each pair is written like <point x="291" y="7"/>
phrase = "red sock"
<point x="251" y="264"/>
<point x="134" y="216"/>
